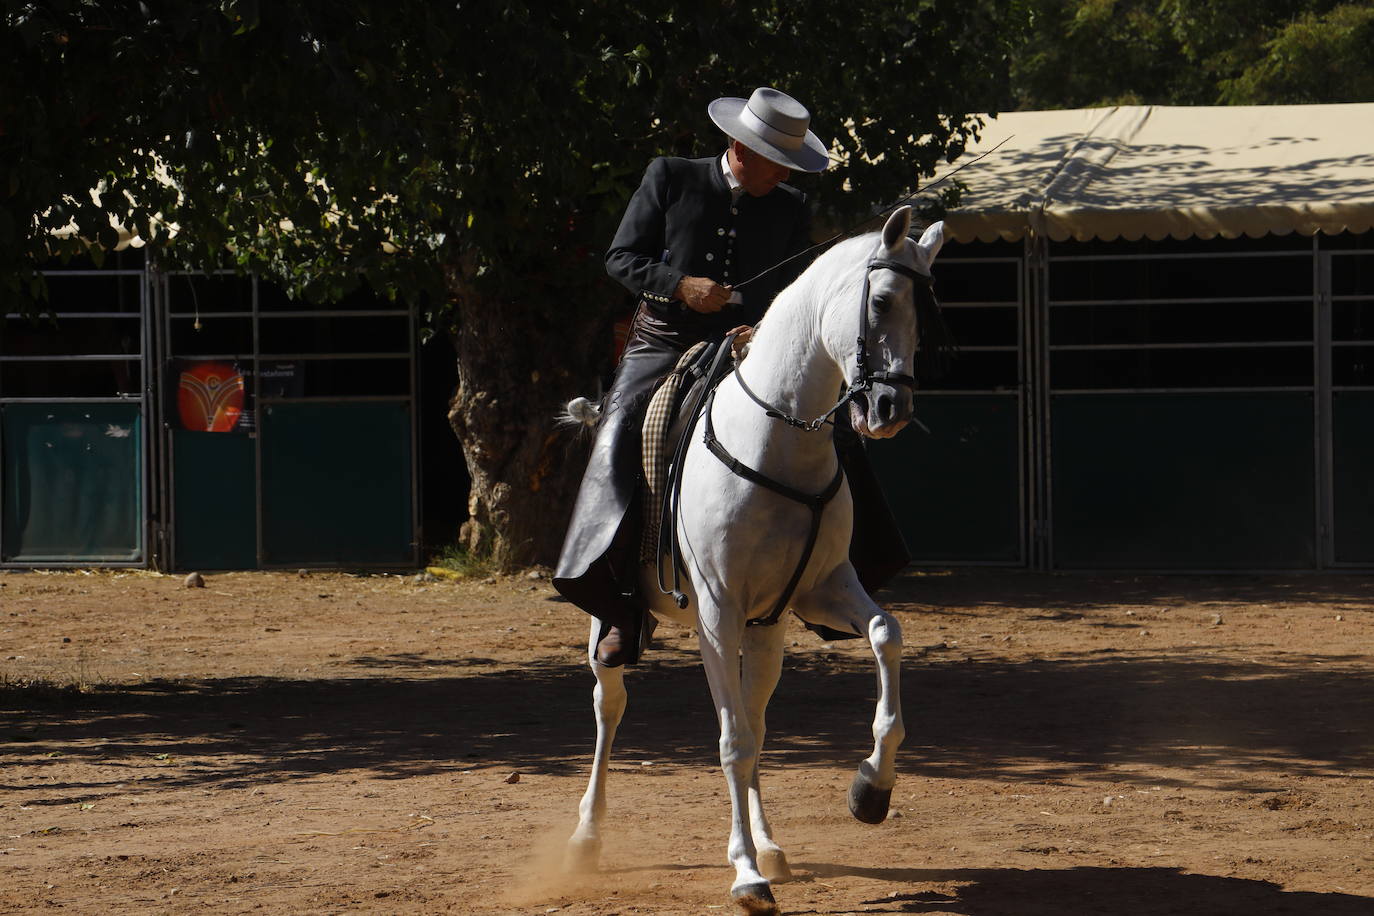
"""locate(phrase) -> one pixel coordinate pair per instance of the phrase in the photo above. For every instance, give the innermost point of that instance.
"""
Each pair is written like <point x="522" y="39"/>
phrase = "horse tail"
<point x="579" y="413"/>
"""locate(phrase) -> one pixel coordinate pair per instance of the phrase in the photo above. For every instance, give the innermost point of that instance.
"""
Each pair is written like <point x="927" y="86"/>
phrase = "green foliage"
<point x="1322" y="57"/>
<point x="1087" y="53"/>
<point x="464" y="563"/>
<point x="440" y="152"/>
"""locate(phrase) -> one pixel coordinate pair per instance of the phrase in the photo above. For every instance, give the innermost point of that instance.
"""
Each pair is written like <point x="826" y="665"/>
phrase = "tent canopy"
<point x="1156" y="171"/>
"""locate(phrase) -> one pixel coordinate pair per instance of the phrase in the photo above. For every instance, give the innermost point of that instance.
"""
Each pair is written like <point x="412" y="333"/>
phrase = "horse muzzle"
<point x="881" y="411"/>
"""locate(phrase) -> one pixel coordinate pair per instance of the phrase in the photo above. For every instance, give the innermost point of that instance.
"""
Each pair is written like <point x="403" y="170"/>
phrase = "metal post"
<point x="415" y="509"/>
<point x="1037" y="285"/>
<point x="1323" y="406"/>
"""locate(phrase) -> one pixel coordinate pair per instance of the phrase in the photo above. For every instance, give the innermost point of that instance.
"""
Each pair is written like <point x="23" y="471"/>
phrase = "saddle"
<point x="666" y="424"/>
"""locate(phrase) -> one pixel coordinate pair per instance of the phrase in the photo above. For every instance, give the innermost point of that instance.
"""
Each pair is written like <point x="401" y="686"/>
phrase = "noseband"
<point x="863" y="378"/>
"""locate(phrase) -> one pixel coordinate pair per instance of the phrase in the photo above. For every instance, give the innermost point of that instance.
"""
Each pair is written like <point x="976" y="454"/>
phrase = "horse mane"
<point x="832" y="271"/>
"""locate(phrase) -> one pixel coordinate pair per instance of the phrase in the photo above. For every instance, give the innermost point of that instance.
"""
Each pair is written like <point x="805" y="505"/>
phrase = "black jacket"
<point x="683" y="221"/>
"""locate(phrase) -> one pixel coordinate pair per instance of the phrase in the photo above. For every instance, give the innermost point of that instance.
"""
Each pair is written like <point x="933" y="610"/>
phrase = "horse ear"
<point x="932" y="240"/>
<point x="898" y="225"/>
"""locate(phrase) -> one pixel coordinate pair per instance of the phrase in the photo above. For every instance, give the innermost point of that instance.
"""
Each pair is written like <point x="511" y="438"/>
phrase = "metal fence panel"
<point x="216" y="495"/>
<point x="1353" y="475"/>
<point x="336" y="483"/>
<point x="73" y="483"/>
<point x="956" y="491"/>
<point x="1196" y="481"/>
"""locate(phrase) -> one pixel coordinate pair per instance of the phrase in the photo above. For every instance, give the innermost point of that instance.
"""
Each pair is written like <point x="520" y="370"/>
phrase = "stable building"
<point x="1166" y="324"/>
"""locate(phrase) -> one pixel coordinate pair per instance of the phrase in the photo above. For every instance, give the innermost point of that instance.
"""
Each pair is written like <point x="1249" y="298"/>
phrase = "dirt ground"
<point x="331" y="743"/>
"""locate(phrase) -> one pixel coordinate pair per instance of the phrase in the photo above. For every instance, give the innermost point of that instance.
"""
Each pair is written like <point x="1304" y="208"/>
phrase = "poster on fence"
<point x="216" y="396"/>
<point x="211" y="396"/>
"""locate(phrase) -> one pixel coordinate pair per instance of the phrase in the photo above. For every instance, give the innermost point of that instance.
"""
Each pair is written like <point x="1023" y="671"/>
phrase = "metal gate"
<point x="207" y="421"/>
<point x="1346" y="384"/>
<point x="1180" y="402"/>
<point x="74" y="421"/>
<point x="1201" y="405"/>
<point x="318" y="467"/>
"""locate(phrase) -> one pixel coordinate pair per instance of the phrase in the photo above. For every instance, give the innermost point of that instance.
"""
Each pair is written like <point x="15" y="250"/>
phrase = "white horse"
<point x="741" y="542"/>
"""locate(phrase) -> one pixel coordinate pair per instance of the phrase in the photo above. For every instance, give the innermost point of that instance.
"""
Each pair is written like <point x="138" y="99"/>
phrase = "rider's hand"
<point x="702" y="294"/>
<point x="743" y="334"/>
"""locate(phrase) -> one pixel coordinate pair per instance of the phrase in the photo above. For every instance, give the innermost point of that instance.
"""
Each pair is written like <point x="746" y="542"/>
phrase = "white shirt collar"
<point x="730" y="178"/>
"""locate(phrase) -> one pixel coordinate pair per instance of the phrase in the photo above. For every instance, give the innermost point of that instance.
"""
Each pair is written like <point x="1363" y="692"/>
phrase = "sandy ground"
<point x="327" y="743"/>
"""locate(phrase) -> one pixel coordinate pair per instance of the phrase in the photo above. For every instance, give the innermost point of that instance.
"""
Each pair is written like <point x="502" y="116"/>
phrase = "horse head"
<point x="882" y="373"/>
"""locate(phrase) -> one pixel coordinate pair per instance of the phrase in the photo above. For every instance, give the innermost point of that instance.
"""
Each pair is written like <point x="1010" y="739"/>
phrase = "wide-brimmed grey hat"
<point x="774" y="125"/>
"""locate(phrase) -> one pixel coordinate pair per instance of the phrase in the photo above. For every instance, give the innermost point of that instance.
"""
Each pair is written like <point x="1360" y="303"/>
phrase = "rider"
<point x="692" y="232"/>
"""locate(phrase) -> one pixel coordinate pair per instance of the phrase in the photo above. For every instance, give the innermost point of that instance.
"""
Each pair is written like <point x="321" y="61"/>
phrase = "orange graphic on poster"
<point x="210" y="397"/>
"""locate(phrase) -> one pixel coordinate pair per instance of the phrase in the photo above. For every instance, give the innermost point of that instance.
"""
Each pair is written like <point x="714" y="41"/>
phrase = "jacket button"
<point x="720" y="232"/>
<point x="710" y="257"/>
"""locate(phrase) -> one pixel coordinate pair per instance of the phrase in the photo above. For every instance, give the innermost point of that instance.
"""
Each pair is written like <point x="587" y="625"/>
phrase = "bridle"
<point x="863" y="376"/>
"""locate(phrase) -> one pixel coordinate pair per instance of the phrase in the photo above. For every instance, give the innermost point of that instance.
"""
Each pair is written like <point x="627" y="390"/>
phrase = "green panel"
<point x="336" y="485"/>
<point x="955" y="491"/>
<point x="73" y="487"/>
<point x="216" y="522"/>
<point x="1196" y="481"/>
<point x="1353" y="482"/>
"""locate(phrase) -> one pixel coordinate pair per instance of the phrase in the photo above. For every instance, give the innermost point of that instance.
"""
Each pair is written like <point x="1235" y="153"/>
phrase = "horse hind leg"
<point x="608" y="702"/>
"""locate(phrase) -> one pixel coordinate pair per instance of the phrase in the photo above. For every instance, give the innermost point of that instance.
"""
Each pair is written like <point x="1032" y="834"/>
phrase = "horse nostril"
<point x="887" y="408"/>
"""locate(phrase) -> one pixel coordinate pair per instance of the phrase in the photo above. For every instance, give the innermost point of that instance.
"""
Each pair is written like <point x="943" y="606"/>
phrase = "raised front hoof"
<point x="755" y="900"/>
<point x="867" y="802"/>
<point x="582" y="856"/>
<point x="773" y="865"/>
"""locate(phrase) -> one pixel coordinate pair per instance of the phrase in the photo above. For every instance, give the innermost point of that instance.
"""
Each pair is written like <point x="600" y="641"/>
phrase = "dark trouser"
<point x="599" y="564"/>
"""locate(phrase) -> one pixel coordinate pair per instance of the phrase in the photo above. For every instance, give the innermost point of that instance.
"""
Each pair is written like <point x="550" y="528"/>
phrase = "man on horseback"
<point x="693" y="242"/>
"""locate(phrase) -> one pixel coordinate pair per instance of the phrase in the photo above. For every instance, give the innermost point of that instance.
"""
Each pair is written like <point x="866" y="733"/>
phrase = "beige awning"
<point x="1157" y="171"/>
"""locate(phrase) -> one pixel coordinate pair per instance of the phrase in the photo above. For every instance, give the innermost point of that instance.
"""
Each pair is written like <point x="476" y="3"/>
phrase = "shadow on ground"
<point x="935" y="592"/>
<point x="1090" y="891"/>
<point x="1065" y="718"/>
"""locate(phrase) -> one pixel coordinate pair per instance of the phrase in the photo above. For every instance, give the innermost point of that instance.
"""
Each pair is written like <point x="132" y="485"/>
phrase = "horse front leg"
<point x="608" y="702"/>
<point x="761" y="668"/>
<point x="720" y="655"/>
<point x="843" y="605"/>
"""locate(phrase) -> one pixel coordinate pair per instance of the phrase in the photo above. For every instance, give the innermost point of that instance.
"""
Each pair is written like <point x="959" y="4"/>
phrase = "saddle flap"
<point x="665" y="423"/>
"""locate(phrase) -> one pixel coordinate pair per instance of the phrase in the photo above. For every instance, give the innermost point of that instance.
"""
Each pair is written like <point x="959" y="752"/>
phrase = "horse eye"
<point x="881" y="304"/>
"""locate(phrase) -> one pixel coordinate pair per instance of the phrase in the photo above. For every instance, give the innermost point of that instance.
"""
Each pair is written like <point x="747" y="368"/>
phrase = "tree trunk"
<point x="517" y="367"/>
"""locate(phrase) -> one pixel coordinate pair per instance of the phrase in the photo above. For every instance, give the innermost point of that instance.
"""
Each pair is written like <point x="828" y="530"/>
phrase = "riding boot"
<point x="612" y="650"/>
<point x="619" y="643"/>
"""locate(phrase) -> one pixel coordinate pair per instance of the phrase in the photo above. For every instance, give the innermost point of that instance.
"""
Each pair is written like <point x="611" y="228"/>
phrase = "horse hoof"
<point x="756" y="900"/>
<point x="581" y="856"/>
<point x="867" y="802"/>
<point x="773" y="865"/>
